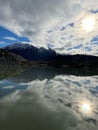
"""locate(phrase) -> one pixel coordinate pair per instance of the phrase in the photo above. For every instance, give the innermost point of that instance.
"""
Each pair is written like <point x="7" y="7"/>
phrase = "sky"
<point x="67" y="26"/>
<point x="7" y="37"/>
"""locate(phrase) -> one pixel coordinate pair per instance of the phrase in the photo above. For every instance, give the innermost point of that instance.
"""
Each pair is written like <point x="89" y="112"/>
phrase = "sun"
<point x="86" y="107"/>
<point x="88" y="23"/>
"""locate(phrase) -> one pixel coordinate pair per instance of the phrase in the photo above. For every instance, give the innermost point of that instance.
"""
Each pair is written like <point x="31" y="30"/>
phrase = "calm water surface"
<point x="48" y="99"/>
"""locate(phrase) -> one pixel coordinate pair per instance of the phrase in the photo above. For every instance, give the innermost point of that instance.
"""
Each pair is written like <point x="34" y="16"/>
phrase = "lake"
<point x="48" y="98"/>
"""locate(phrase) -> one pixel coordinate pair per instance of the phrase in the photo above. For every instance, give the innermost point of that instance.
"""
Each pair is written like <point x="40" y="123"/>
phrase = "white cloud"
<point x="2" y="42"/>
<point x="33" y="18"/>
<point x="10" y="38"/>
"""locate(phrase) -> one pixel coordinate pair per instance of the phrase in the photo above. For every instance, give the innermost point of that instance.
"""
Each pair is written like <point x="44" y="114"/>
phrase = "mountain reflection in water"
<point x="48" y="98"/>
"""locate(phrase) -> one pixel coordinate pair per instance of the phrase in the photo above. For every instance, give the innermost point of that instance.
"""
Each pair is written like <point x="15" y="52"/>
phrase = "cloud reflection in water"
<point x="61" y="102"/>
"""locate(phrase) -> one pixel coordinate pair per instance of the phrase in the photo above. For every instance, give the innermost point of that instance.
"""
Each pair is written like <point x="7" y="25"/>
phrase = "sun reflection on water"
<point x="86" y="107"/>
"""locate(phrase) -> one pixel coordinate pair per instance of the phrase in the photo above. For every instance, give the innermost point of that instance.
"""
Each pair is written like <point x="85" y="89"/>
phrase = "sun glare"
<point x="86" y="107"/>
<point x="88" y="23"/>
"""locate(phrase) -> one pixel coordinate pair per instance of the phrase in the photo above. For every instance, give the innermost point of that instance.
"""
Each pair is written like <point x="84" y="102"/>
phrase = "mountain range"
<point x="8" y="58"/>
<point x="31" y="53"/>
<point x="26" y="53"/>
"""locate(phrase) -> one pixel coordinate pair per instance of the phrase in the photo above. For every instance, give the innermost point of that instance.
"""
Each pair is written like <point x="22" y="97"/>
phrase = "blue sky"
<point x="7" y="37"/>
<point x="94" y="11"/>
<point x="45" y="24"/>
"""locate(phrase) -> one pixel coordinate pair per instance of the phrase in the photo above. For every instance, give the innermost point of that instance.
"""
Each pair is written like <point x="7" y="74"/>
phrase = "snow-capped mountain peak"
<point x="18" y="45"/>
<point x="30" y="52"/>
